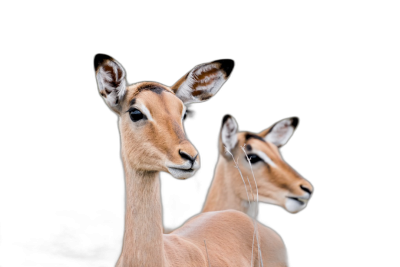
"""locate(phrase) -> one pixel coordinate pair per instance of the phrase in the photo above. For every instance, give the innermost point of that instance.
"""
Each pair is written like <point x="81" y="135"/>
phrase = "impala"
<point x="153" y="140"/>
<point x="277" y="183"/>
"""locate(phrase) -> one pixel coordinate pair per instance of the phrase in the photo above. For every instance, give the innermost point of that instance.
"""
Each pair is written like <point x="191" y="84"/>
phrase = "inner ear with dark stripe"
<point x="203" y="81"/>
<point x="111" y="80"/>
<point x="280" y="133"/>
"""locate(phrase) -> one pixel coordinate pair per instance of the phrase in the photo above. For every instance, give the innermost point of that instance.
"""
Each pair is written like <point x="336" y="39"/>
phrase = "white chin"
<point x="180" y="173"/>
<point x="294" y="206"/>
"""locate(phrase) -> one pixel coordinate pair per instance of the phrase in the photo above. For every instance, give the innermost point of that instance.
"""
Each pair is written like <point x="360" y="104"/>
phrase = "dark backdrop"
<point x="66" y="190"/>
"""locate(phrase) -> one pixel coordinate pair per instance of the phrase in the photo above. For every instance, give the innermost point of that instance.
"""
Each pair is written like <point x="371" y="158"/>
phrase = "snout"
<point x="189" y="163"/>
<point x="297" y="202"/>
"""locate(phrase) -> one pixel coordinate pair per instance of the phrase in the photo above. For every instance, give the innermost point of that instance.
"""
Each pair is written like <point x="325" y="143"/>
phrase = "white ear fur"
<point x="228" y="132"/>
<point x="111" y="79"/>
<point x="203" y="81"/>
<point x="281" y="132"/>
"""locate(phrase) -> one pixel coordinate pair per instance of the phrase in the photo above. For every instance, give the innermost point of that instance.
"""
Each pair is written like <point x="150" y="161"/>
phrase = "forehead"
<point x="153" y="95"/>
<point x="254" y="141"/>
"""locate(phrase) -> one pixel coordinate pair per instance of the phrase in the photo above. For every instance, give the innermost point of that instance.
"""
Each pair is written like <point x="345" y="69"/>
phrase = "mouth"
<point x="181" y="173"/>
<point x="295" y="204"/>
<point x="300" y="201"/>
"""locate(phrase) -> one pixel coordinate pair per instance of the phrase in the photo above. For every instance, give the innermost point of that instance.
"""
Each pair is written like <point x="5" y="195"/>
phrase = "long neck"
<point x="143" y="239"/>
<point x="226" y="190"/>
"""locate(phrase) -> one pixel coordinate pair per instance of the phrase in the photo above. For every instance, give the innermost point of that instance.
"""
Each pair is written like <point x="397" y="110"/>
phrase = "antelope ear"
<point x="203" y="81"/>
<point x="229" y="130"/>
<point x="111" y="80"/>
<point x="280" y="133"/>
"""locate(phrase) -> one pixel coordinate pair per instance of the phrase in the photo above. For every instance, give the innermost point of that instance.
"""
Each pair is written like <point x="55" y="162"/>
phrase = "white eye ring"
<point x="265" y="158"/>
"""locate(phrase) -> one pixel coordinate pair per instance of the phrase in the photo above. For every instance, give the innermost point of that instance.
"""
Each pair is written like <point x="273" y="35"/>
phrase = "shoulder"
<point x="234" y="230"/>
<point x="241" y="225"/>
<point x="224" y="221"/>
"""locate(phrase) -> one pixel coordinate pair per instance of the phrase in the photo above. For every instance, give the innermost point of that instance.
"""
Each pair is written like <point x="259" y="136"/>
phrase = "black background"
<point x="65" y="200"/>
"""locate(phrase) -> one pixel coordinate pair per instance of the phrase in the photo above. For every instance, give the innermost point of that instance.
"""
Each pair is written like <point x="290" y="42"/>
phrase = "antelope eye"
<point x="184" y="116"/>
<point x="136" y="115"/>
<point x="254" y="158"/>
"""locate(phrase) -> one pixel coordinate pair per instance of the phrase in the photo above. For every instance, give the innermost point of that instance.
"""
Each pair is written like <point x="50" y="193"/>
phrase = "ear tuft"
<point x="203" y="81"/>
<point x="295" y="122"/>
<point x="226" y="65"/>
<point x="99" y="59"/>
<point x="111" y="80"/>
<point x="280" y="133"/>
<point x="229" y="130"/>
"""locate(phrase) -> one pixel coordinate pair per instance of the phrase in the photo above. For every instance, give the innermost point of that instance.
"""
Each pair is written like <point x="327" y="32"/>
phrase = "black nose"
<point x="306" y="189"/>
<point x="185" y="155"/>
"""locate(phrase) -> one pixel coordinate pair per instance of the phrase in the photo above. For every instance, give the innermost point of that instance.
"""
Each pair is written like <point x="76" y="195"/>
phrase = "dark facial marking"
<point x="268" y="167"/>
<point x="133" y="101"/>
<point x="158" y="90"/>
<point x="249" y="135"/>
<point x="154" y="88"/>
<point x="178" y="131"/>
<point x="248" y="148"/>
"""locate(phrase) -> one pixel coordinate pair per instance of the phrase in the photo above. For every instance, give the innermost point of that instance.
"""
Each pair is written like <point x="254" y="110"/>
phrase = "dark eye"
<point x="254" y="158"/>
<point x="184" y="116"/>
<point x="135" y="115"/>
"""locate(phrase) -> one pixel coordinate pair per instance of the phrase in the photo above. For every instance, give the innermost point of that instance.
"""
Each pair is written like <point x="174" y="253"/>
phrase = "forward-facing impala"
<point x="153" y="140"/>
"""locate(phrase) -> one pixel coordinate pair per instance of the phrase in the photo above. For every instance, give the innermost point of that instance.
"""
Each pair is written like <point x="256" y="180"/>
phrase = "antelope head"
<point x="277" y="182"/>
<point x="151" y="114"/>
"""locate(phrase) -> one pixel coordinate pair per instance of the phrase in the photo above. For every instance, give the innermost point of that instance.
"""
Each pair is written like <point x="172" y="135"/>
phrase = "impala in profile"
<point x="277" y="182"/>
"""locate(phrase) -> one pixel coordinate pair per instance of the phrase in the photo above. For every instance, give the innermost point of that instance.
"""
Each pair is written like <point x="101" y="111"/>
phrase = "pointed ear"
<point x="280" y="133"/>
<point x="203" y="81"/>
<point x="229" y="130"/>
<point x="111" y="80"/>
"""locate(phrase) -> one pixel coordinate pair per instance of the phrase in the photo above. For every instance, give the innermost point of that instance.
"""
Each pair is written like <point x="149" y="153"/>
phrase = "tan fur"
<point x="228" y="234"/>
<point x="227" y="190"/>
<point x="146" y="149"/>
